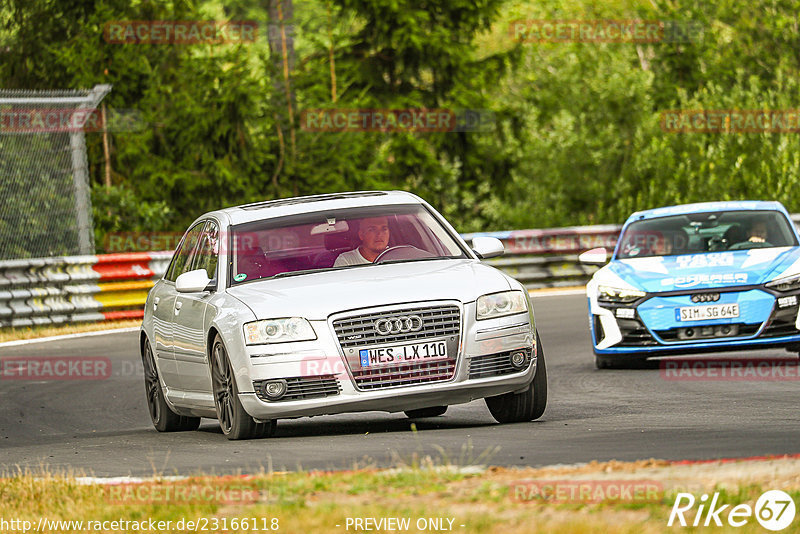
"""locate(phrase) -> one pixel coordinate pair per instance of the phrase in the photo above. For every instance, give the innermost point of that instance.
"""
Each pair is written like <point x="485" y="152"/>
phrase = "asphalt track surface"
<point x="102" y="427"/>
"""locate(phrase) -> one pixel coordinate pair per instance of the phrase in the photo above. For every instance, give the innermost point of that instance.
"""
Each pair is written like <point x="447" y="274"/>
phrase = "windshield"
<point x="695" y="233"/>
<point x="338" y="239"/>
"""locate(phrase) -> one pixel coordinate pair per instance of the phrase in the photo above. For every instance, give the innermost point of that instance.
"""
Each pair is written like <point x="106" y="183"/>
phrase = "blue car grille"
<point x="741" y="330"/>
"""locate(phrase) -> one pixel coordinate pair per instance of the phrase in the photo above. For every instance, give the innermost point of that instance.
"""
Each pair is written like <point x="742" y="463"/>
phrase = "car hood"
<point x="709" y="270"/>
<point x="315" y="296"/>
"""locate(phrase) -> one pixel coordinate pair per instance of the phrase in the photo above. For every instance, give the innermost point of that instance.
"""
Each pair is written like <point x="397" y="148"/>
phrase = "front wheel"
<point x="162" y="416"/>
<point x="234" y="421"/>
<point x="525" y="406"/>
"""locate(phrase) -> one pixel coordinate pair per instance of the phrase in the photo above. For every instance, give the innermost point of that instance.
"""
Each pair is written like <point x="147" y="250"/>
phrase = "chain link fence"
<point x="45" y="202"/>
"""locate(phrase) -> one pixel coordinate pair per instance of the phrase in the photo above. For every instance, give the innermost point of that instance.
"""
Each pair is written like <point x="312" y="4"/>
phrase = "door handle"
<point x="178" y="304"/>
<point x="155" y="303"/>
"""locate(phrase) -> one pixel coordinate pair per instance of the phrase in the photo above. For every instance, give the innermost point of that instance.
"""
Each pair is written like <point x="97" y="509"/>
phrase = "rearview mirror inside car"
<point x="331" y="227"/>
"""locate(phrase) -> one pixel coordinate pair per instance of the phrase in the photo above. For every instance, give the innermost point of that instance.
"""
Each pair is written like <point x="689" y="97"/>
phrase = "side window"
<point x="208" y="253"/>
<point x="181" y="261"/>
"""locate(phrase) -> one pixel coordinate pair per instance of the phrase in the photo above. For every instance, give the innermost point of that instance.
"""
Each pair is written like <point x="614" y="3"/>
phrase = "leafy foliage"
<point x="577" y="140"/>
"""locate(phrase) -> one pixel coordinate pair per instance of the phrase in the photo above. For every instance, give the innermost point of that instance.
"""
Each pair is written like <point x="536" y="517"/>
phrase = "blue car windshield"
<point x="695" y="233"/>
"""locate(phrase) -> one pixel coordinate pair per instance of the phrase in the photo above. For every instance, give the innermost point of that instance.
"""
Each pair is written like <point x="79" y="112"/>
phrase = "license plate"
<point x="702" y="313"/>
<point x="406" y="353"/>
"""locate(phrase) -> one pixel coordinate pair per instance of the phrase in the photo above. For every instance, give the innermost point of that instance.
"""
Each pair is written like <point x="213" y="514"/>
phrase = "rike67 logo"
<point x="774" y="510"/>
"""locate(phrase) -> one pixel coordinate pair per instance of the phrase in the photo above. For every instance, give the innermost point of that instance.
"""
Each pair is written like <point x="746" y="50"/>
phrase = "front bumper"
<point x="324" y="381"/>
<point x="649" y="326"/>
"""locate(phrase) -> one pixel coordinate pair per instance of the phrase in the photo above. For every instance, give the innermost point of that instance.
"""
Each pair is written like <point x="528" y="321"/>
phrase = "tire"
<point x="162" y="416"/>
<point x="433" y="411"/>
<point x="602" y="361"/>
<point x="528" y="405"/>
<point x="234" y="421"/>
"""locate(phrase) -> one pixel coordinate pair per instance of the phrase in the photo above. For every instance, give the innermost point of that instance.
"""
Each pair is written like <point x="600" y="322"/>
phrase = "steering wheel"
<point x="402" y="252"/>
<point x="745" y="245"/>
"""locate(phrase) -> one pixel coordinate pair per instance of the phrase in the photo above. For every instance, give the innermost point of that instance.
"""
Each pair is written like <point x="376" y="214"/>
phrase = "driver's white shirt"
<point x="351" y="257"/>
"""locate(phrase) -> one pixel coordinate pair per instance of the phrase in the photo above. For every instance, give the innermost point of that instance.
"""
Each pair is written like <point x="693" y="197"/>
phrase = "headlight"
<point x="278" y="331"/>
<point x="789" y="283"/>
<point x="613" y="294"/>
<point x="501" y="304"/>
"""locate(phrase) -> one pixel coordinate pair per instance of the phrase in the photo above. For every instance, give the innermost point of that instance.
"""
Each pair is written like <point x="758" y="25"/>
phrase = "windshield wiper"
<point x="387" y="262"/>
<point x="306" y="271"/>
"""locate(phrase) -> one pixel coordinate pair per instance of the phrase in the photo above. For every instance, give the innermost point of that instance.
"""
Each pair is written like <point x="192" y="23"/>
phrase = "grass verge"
<point x="423" y="497"/>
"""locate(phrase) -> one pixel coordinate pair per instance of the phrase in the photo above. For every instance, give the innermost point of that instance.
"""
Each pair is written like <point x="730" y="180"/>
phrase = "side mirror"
<point x="487" y="247"/>
<point x="596" y="256"/>
<point x="192" y="282"/>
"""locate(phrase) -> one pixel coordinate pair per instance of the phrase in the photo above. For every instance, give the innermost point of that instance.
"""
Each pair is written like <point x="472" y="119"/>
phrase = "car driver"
<point x="374" y="236"/>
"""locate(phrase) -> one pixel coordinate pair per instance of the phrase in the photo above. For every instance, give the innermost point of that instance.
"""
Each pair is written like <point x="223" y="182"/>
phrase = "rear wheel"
<point x="164" y="419"/>
<point x="525" y="406"/>
<point x="235" y="422"/>
<point x="433" y="411"/>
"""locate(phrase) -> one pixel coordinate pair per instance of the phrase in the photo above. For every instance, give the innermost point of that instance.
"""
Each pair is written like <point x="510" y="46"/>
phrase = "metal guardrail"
<point x="73" y="289"/>
<point x="549" y="257"/>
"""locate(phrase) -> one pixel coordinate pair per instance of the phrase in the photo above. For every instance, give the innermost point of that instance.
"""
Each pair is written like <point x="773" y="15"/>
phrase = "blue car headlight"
<point x="278" y="331"/>
<point x="618" y="295"/>
<point x="787" y="283"/>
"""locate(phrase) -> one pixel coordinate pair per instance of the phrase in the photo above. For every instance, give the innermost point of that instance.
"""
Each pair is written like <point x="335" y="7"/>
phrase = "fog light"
<point x="785" y="302"/>
<point x="274" y="389"/>
<point x="518" y="360"/>
<point x="626" y="313"/>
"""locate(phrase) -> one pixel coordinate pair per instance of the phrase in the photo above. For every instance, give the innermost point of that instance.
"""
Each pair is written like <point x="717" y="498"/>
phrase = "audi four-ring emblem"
<point x="398" y="325"/>
<point x="705" y="297"/>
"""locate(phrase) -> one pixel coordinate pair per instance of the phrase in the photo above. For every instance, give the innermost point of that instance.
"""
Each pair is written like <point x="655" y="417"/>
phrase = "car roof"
<point x="283" y="207"/>
<point x="702" y="207"/>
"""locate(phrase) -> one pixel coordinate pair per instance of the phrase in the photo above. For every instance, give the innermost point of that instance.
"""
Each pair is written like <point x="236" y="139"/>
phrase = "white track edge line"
<point x="68" y="336"/>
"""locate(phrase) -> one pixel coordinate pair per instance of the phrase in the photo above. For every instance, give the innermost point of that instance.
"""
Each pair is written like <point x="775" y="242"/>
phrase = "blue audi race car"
<point x="696" y="278"/>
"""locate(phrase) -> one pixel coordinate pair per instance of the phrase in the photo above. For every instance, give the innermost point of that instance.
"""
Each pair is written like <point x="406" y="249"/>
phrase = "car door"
<point x="191" y="356"/>
<point x="164" y="303"/>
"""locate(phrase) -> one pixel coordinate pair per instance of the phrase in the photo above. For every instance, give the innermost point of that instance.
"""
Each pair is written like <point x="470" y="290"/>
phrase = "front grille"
<point x="303" y="387"/>
<point x="496" y="364"/>
<point x="404" y="375"/>
<point x="708" y="332"/>
<point x="438" y="322"/>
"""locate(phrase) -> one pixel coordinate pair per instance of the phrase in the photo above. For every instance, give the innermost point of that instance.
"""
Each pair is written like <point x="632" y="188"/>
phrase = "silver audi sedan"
<point x="335" y="303"/>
